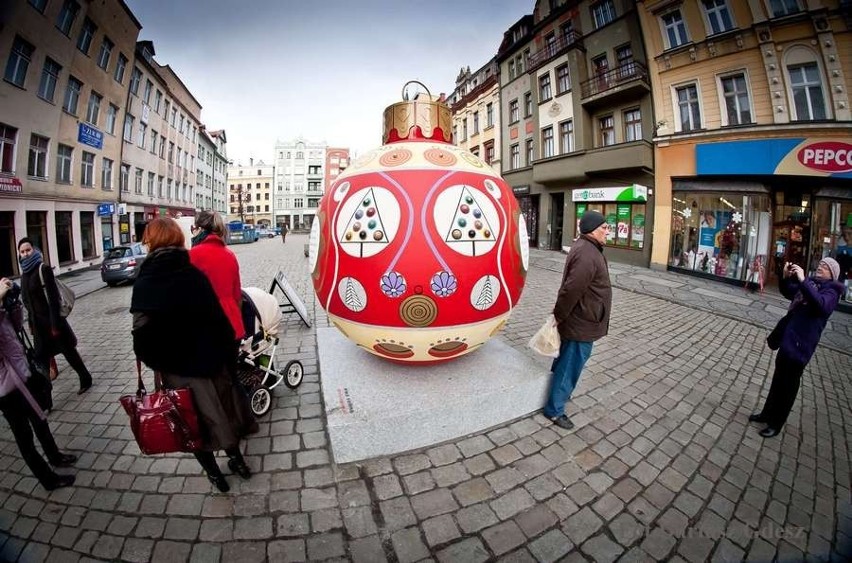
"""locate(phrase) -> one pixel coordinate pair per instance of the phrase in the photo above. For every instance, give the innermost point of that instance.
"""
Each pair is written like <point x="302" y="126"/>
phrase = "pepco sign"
<point x="827" y="156"/>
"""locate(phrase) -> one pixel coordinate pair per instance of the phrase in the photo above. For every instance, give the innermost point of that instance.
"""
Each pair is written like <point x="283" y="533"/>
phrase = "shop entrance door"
<point x="557" y="213"/>
<point x="529" y="207"/>
<point x="791" y="231"/>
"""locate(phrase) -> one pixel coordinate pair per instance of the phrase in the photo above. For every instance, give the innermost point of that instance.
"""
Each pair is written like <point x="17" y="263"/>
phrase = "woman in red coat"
<point x="210" y="255"/>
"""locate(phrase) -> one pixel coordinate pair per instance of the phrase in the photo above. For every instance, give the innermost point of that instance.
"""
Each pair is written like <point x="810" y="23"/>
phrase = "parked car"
<point x="266" y="233"/>
<point x="122" y="263"/>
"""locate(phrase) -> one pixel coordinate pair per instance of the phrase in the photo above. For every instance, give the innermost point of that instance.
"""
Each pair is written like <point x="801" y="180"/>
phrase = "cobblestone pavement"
<point x="663" y="463"/>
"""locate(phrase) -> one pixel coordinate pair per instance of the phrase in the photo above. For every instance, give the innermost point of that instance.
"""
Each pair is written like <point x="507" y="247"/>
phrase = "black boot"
<point x="58" y="481"/>
<point x="219" y="482"/>
<point x="237" y="463"/>
<point x="63" y="460"/>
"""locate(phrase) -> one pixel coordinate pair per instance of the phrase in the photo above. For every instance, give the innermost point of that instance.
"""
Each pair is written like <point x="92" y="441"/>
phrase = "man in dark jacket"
<point x="582" y="313"/>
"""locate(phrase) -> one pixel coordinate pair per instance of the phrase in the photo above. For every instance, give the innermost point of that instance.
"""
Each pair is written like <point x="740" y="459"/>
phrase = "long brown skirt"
<point x="224" y="414"/>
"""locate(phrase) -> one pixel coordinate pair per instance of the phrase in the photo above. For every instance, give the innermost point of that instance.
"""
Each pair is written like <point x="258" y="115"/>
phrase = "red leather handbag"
<point x="164" y="421"/>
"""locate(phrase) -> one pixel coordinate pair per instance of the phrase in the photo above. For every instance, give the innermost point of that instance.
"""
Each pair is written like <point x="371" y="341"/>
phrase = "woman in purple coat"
<point x="797" y="335"/>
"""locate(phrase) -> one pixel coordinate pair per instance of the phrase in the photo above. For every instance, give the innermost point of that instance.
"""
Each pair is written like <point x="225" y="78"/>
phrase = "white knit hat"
<point x="833" y="266"/>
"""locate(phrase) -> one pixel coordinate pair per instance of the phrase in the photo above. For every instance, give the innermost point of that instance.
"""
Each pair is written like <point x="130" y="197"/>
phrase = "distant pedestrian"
<point x="51" y="332"/>
<point x="582" y="310"/>
<point x="181" y="331"/>
<point x="20" y="408"/>
<point x="796" y="336"/>
<point x="284" y="230"/>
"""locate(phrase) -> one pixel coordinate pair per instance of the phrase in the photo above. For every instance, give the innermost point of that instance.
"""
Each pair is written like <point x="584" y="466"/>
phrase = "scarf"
<point x="202" y="234"/>
<point x="31" y="262"/>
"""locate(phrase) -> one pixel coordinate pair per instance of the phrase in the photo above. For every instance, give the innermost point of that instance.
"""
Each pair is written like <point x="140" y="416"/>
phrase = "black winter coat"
<point x="43" y="315"/>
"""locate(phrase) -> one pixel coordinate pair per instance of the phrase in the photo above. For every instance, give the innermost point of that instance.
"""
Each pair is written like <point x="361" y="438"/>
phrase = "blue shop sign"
<point x="815" y="156"/>
<point x="88" y="135"/>
<point x="106" y="209"/>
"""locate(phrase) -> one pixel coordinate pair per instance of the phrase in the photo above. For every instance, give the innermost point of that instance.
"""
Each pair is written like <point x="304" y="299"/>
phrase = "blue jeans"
<point x="566" y="373"/>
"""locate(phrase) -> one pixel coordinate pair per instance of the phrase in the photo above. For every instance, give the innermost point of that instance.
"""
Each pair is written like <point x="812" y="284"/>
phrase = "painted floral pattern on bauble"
<point x="393" y="284"/>
<point x="444" y="284"/>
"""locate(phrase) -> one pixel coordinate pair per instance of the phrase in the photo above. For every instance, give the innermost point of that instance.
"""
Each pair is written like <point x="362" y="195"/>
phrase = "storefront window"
<point x="832" y="236"/>
<point x="87" y="233"/>
<point x="64" y="244"/>
<point x="8" y="252"/>
<point x="37" y="232"/>
<point x="725" y="235"/>
<point x="625" y="222"/>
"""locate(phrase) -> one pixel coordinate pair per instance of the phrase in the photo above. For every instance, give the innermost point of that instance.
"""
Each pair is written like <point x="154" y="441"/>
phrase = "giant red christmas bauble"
<point x="419" y="251"/>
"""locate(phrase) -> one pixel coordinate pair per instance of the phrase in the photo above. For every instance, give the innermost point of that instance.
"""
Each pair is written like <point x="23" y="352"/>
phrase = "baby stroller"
<point x="257" y="370"/>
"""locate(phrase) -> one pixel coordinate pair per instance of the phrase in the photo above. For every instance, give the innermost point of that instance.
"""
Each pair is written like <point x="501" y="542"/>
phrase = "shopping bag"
<point x="547" y="341"/>
<point x="66" y="294"/>
<point x="164" y="421"/>
<point x="39" y="384"/>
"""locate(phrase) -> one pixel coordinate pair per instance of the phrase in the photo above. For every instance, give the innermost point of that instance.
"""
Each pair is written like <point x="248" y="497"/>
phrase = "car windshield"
<point x="119" y="253"/>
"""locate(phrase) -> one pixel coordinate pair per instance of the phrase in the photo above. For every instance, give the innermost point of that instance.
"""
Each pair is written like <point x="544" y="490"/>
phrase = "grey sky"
<point x="325" y="70"/>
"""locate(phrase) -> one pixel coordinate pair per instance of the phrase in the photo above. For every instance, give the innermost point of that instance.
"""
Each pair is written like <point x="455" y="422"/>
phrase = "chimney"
<point x="251" y="162"/>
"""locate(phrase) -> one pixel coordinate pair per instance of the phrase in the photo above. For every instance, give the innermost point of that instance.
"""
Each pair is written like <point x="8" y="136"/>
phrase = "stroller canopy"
<point x="267" y="313"/>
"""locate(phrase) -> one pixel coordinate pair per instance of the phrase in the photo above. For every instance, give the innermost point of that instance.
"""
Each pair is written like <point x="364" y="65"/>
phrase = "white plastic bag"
<point x="547" y="341"/>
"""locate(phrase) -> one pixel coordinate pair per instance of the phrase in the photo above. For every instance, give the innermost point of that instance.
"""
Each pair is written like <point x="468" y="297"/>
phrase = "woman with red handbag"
<point x="24" y="415"/>
<point x="180" y="331"/>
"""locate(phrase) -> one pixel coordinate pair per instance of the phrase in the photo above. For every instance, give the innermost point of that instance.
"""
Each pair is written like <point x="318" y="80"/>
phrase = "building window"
<point x="735" y="94"/>
<point x="632" y="125"/>
<point x="128" y="128"/>
<point x="511" y="69"/>
<point x="674" y="29"/>
<point x="530" y="146"/>
<point x="171" y="158"/>
<point x="158" y="99"/>
<point x="49" y="79"/>
<point x="624" y="62"/>
<point x="112" y="116"/>
<point x="550" y="44"/>
<point x="135" y="78"/>
<point x="808" y="99"/>
<point x="94" y="108"/>
<point x="298" y="203"/>
<point x="476" y="123"/>
<point x="137" y="181"/>
<point x="149" y="86"/>
<point x="105" y="52"/>
<point x="64" y="155"/>
<point x="607" y="127"/>
<point x="151" y="177"/>
<point x="160" y="184"/>
<point x="87" y="170"/>
<point x="8" y="137"/>
<point x="464" y="129"/>
<point x="141" y="138"/>
<point x="489" y="152"/>
<point x="515" y="156"/>
<point x="87" y="33"/>
<point x="19" y="62"/>
<point x="688" y="108"/>
<point x="37" y="161"/>
<point x="547" y="144"/>
<point x="154" y="137"/>
<point x="67" y="15"/>
<point x="120" y="66"/>
<point x="489" y="115"/>
<point x="784" y="7"/>
<point x="528" y="104"/>
<point x="625" y="222"/>
<point x="124" y="178"/>
<point x="64" y="242"/>
<point x="514" y="116"/>
<point x="603" y="12"/>
<point x="87" y="234"/>
<point x="72" y="95"/>
<point x="718" y="16"/>
<point x="563" y="79"/>
<point x="106" y="174"/>
<point x="39" y="5"/>
<point x="544" y="92"/>
<point x="566" y="136"/>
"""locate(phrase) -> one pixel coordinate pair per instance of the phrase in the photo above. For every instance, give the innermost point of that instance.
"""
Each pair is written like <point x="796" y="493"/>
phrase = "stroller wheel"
<point x="293" y="374"/>
<point x="261" y="400"/>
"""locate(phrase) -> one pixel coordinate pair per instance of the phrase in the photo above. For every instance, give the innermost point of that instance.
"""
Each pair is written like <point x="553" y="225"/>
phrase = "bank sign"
<point x="635" y="192"/>
<point x="825" y="157"/>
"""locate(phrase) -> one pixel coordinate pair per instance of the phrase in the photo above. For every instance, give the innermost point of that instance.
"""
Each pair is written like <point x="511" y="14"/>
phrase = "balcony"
<point x="562" y="44"/>
<point x="578" y="165"/>
<point x="625" y="80"/>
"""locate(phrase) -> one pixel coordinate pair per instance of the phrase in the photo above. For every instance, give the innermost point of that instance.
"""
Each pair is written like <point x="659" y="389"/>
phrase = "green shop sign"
<point x="634" y="193"/>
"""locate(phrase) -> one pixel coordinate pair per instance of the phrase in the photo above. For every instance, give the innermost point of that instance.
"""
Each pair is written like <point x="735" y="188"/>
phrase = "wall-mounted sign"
<point x="146" y="112"/>
<point x="635" y="192"/>
<point x="88" y="135"/>
<point x="10" y="184"/>
<point x="826" y="157"/>
<point x="520" y="190"/>
<point x="105" y="209"/>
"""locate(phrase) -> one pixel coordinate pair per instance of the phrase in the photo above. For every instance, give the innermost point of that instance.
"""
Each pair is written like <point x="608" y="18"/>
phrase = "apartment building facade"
<point x="475" y="105"/>
<point x="299" y="182"/>
<point x="578" y="128"/>
<point x="336" y="161"/>
<point x="754" y="138"/>
<point x="250" y="193"/>
<point x="211" y="173"/>
<point x="65" y="82"/>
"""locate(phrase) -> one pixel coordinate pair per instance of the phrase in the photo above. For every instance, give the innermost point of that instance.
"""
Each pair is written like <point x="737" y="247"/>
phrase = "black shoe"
<point x="85" y="386"/>
<point x="770" y="432"/>
<point x="239" y="467"/>
<point x="59" y="481"/>
<point x="757" y="417"/>
<point x="562" y="422"/>
<point x="219" y="482"/>
<point x="63" y="460"/>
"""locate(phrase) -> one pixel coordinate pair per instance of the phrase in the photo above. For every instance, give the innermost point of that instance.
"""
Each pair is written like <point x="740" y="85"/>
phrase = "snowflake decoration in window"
<point x="737" y="217"/>
<point x="393" y="284"/>
<point x="444" y="284"/>
<point x="687" y="213"/>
